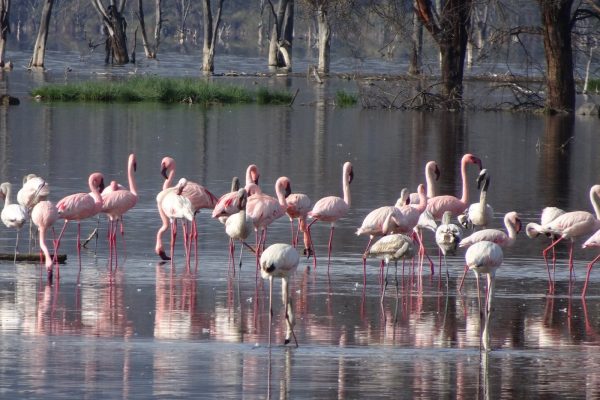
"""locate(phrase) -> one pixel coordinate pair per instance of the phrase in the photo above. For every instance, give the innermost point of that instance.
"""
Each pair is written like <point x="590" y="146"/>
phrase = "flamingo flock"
<point x="395" y="231"/>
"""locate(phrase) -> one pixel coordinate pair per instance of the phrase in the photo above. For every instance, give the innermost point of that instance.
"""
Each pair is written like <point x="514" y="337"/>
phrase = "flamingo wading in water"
<point x="280" y="260"/>
<point x="44" y="215"/>
<point x="13" y="215"/>
<point x="331" y="208"/>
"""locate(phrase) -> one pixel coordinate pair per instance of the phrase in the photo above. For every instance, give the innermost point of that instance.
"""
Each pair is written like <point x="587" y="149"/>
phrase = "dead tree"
<point x="210" y="35"/>
<point x="150" y="50"/>
<point x="449" y="29"/>
<point x="556" y="30"/>
<point x="4" y="29"/>
<point x="115" y="28"/>
<point x="280" y="47"/>
<point x="39" y="50"/>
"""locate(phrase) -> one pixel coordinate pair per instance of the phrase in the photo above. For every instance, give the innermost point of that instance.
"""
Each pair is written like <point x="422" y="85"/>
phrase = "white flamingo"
<point x="13" y="215"/>
<point x="280" y="260"/>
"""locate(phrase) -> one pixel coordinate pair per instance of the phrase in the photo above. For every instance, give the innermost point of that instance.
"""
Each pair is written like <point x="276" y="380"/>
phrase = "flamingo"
<point x="331" y="208"/>
<point x="484" y="258"/>
<point x="117" y="202"/>
<point x="174" y="205"/>
<point x="439" y="204"/>
<point x="79" y="206"/>
<point x="298" y="206"/>
<point x="572" y="225"/>
<point x="238" y="226"/>
<point x="226" y="204"/>
<point x="592" y="242"/>
<point x="432" y="174"/>
<point x="512" y="222"/>
<point x="280" y="260"/>
<point x="43" y="215"/>
<point x="34" y="190"/>
<point x="479" y="214"/>
<point x="233" y="194"/>
<point x="533" y="229"/>
<point x="199" y="196"/>
<point x="392" y="248"/>
<point x="13" y="215"/>
<point x="264" y="209"/>
<point x="373" y="225"/>
<point x="447" y="237"/>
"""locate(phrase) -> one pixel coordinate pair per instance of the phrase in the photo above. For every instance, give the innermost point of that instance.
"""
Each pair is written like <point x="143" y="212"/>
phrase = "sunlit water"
<point x="150" y="329"/>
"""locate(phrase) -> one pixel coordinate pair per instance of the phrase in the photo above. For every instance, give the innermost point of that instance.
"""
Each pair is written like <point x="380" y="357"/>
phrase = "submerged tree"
<point x="280" y="47"/>
<point x="211" y="26"/>
<point x="115" y="28"/>
<point x="39" y="50"/>
<point x="4" y="28"/>
<point x="150" y="50"/>
<point x="449" y="30"/>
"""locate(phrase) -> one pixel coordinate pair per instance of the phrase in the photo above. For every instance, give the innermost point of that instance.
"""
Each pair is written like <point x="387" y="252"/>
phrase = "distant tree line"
<point x="458" y="33"/>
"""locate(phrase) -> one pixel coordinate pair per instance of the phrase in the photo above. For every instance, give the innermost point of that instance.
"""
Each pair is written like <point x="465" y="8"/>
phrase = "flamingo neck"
<point x="465" y="183"/>
<point x="131" y="178"/>
<point x="281" y="196"/>
<point x="430" y="181"/>
<point x="95" y="194"/>
<point x="510" y="228"/>
<point x="7" y="194"/>
<point x="594" y="194"/>
<point x="346" y="189"/>
<point x="169" y="181"/>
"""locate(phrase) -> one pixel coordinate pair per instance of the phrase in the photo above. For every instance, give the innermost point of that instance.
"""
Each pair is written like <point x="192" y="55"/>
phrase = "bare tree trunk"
<point x="449" y="30"/>
<point x="416" y="59"/>
<point x="281" y="36"/>
<point x="39" y="50"/>
<point x="115" y="27"/>
<point x="157" y="24"/>
<point x="140" y="14"/>
<point x="324" y="39"/>
<point x="4" y="29"/>
<point x="556" y="21"/>
<point x="210" y="35"/>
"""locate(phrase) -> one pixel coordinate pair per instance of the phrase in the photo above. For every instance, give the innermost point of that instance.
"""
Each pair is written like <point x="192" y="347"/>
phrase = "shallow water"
<point x="149" y="329"/>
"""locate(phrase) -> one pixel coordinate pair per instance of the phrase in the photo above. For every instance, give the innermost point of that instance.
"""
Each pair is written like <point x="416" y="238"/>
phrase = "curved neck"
<point x="594" y="194"/>
<point x="171" y="177"/>
<point x="7" y="194"/>
<point x="422" y="200"/>
<point x="94" y="192"/>
<point x="280" y="195"/>
<point x="131" y="177"/>
<point x="510" y="228"/>
<point x="483" y="198"/>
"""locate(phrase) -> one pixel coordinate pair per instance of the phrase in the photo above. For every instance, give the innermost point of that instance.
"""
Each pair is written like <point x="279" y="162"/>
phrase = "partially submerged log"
<point x="62" y="258"/>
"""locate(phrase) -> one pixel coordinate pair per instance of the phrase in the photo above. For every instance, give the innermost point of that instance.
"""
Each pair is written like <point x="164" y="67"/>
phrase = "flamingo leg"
<point x="544" y="253"/>
<point x="587" y="278"/>
<point x="364" y="260"/>
<point x="329" y="247"/>
<point x="270" y="306"/>
<point x="462" y="280"/>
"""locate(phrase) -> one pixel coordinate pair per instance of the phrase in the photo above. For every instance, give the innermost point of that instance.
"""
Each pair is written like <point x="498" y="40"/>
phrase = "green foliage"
<point x="594" y="85"/>
<point x="156" y="89"/>
<point x="345" y="99"/>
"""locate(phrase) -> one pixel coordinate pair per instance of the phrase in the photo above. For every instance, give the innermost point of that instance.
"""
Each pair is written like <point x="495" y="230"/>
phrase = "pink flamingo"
<point x="226" y="205"/>
<point x="512" y="222"/>
<point x="572" y="225"/>
<point x="117" y="202"/>
<point x="44" y="215"/>
<point x="378" y="223"/>
<point x="174" y="205"/>
<point x="439" y="204"/>
<point x="79" y="206"/>
<point x="238" y="226"/>
<point x="264" y="209"/>
<point x="432" y="174"/>
<point x="298" y="206"/>
<point x="331" y="208"/>
<point x="533" y="229"/>
<point x="199" y="196"/>
<point x="592" y="242"/>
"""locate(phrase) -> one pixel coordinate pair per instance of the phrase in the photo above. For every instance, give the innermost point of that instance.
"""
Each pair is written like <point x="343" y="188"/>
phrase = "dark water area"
<point x="149" y="329"/>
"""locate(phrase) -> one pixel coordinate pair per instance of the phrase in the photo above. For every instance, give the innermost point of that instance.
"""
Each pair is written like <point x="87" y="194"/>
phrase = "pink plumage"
<point x="44" y="214"/>
<point x="437" y="205"/>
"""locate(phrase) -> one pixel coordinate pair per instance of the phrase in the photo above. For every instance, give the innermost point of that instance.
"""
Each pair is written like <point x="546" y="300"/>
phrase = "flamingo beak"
<point x="163" y="172"/>
<point x="288" y="190"/>
<point x="101" y="185"/>
<point x="351" y="175"/>
<point x="437" y="173"/>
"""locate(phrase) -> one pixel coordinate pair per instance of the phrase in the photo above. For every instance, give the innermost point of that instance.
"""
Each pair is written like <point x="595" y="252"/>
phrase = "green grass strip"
<point x="162" y="90"/>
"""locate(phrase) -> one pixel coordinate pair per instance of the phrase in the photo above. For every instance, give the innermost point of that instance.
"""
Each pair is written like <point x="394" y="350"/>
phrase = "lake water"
<point x="152" y="329"/>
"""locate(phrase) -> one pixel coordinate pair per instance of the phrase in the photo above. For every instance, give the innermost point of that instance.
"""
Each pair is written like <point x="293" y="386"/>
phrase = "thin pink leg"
<point x="544" y="253"/>
<point x="329" y="248"/>
<point x="463" y="278"/>
<point x="587" y="278"/>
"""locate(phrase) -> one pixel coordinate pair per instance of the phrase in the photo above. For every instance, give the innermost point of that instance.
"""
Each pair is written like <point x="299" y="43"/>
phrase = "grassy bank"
<point x="163" y="90"/>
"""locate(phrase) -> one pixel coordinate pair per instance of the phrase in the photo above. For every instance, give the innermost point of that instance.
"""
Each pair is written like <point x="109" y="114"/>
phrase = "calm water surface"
<point x="149" y="329"/>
